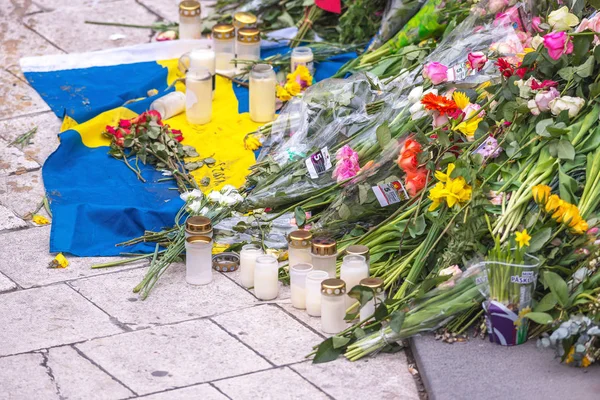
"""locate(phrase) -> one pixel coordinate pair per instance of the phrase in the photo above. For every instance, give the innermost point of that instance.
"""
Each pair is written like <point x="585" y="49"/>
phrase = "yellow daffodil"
<point x="522" y="238"/>
<point x="522" y="314"/>
<point x="468" y="127"/>
<point x="293" y="88"/>
<point x="443" y="177"/>
<point x="580" y="228"/>
<point x="457" y="191"/>
<point x="451" y="190"/>
<point x="552" y="204"/>
<point x="303" y="73"/>
<point x="40" y="220"/>
<point x="283" y="94"/>
<point x="436" y="195"/>
<point x="586" y="362"/>
<point x="461" y="99"/>
<point x="541" y="193"/>
<point x="59" y="261"/>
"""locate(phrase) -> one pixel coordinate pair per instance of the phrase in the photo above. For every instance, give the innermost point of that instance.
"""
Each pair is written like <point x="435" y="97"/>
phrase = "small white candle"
<point x="169" y="105"/>
<point x="224" y="45"/>
<point x="302" y="56"/>
<point x="266" y="282"/>
<point x="324" y="255"/>
<point x="354" y="269"/>
<point x="198" y="100"/>
<point x="298" y="284"/>
<point x="262" y="93"/>
<point x="248" y="256"/>
<point x="299" y="243"/>
<point x="190" y="24"/>
<point x="313" y="292"/>
<point x="333" y="307"/>
<point x="368" y="309"/>
<point x="198" y="260"/>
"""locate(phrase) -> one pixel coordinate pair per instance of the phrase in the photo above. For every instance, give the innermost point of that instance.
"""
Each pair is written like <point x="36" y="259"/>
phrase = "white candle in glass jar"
<point x="354" y="269"/>
<point x="248" y="256"/>
<point x="324" y="255"/>
<point x="333" y="306"/>
<point x="302" y="56"/>
<point x="190" y="23"/>
<point x="359" y="250"/>
<point x="224" y="46"/>
<point x="198" y="260"/>
<point x="169" y="105"/>
<point x="313" y="291"/>
<point x="376" y="284"/>
<point x="262" y="93"/>
<point x="198" y="96"/>
<point x="266" y="277"/>
<point x="298" y="284"/>
<point x="299" y="243"/>
<point x="198" y="225"/>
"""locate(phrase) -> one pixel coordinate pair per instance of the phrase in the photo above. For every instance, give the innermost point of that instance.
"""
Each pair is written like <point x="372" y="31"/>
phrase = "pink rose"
<point x="535" y="23"/>
<point x="558" y="43"/>
<point x="477" y="59"/>
<point x="439" y="120"/>
<point x="543" y="99"/>
<point x="592" y="24"/>
<point x="435" y="72"/>
<point x="471" y="109"/>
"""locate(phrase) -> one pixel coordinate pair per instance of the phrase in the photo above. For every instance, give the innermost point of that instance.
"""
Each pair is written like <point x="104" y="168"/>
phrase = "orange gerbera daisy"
<point x="439" y="103"/>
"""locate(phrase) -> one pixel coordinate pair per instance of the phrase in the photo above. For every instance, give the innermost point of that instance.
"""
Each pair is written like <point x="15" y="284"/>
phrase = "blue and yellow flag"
<point x="96" y="201"/>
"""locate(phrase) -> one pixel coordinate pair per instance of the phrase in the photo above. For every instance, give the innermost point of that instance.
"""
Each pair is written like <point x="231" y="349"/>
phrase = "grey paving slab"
<point x="44" y="141"/>
<point x="271" y="332"/>
<point x="74" y="35"/>
<point x="77" y="378"/>
<point x="274" y="384"/>
<point x="204" y="392"/>
<point x="383" y="377"/>
<point x="25" y="376"/>
<point x="478" y="369"/>
<point x="301" y="315"/>
<point x="14" y="160"/>
<point x="24" y="192"/>
<point x="15" y="9"/>
<point x="6" y="285"/>
<point x="9" y="221"/>
<point x="171" y="300"/>
<point x="172" y="356"/>
<point x="49" y="316"/>
<point x="284" y="290"/>
<point x="17" y="98"/>
<point x="28" y="251"/>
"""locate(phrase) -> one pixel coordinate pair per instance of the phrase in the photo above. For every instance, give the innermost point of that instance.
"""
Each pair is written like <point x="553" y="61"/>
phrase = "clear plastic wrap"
<point x="253" y="229"/>
<point x="396" y="14"/>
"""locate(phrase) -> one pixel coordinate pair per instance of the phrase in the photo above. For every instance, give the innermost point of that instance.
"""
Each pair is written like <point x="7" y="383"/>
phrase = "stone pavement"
<point x="80" y="333"/>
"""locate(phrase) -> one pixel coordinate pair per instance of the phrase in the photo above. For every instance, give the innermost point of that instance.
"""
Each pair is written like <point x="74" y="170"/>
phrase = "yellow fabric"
<point x="221" y="139"/>
<point x="68" y="123"/>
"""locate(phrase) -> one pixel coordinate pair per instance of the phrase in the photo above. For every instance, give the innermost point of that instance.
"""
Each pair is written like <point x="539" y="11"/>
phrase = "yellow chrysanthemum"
<point x="59" y="261"/>
<point x="468" y="128"/>
<point x="40" y="220"/>
<point x="580" y="228"/>
<point x="293" y="88"/>
<point x="283" y="94"/>
<point x="461" y="99"/>
<point x="522" y="238"/>
<point x="541" y="193"/>
<point x="552" y="204"/>
<point x="251" y="142"/>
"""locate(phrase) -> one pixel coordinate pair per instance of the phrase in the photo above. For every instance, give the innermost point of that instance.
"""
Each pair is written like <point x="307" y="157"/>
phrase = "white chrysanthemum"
<point x="192" y="195"/>
<point x="194" y="207"/>
<point x="214" y="197"/>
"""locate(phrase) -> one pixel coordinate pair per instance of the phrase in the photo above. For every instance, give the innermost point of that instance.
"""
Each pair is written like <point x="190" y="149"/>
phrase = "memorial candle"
<point x="333" y="306"/>
<point x="198" y="260"/>
<point x="266" y="283"/>
<point x="354" y="269"/>
<point x="298" y="284"/>
<point x="313" y="291"/>
<point x="248" y="256"/>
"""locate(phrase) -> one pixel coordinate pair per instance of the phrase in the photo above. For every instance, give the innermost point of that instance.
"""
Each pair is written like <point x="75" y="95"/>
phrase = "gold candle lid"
<point x="198" y="239"/>
<point x="243" y="19"/>
<point x="333" y="287"/>
<point x="198" y="225"/>
<point x="374" y="283"/>
<point x="300" y="238"/>
<point x="226" y="262"/>
<point x="358" y="250"/>
<point x="223" y="32"/>
<point x="248" y="35"/>
<point x="189" y="8"/>
<point x="324" y="247"/>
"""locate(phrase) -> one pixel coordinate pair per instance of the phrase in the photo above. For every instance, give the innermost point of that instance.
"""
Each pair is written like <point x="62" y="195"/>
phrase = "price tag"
<point x="390" y="193"/>
<point x="459" y="72"/>
<point x="318" y="163"/>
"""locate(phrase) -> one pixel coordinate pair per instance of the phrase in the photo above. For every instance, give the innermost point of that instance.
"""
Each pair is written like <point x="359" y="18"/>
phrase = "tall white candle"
<point x="324" y="255"/>
<point x="198" y="260"/>
<point x="376" y="284"/>
<point x="266" y="283"/>
<point x="354" y="269"/>
<point x="313" y="291"/>
<point x="333" y="307"/>
<point x="190" y="24"/>
<point x="302" y="56"/>
<point x="224" y="46"/>
<point x="262" y="93"/>
<point x="298" y="284"/>
<point x="299" y="243"/>
<point x="198" y="92"/>
<point x="248" y="256"/>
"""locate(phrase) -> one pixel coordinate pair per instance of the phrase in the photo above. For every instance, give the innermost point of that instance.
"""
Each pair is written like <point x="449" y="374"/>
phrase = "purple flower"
<point x="489" y="148"/>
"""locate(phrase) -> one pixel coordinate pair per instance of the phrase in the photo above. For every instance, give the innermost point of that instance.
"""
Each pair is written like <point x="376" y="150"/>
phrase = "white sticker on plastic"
<point x="318" y="163"/>
<point x="390" y="193"/>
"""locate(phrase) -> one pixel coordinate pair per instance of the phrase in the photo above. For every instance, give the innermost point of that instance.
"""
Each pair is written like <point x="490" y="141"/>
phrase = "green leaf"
<point x="340" y="341"/>
<point x="540" y="317"/>
<point x="581" y="46"/>
<point x="363" y="193"/>
<point x="557" y="286"/>
<point x="361" y="293"/>
<point x="539" y="239"/>
<point x="565" y="150"/>
<point x="540" y="127"/>
<point x="381" y="312"/>
<point x="418" y="227"/>
<point x="529" y="59"/>
<point x="344" y="212"/>
<point x="546" y="303"/>
<point x="326" y="352"/>
<point x="300" y="215"/>
<point x="567" y="187"/>
<point x="443" y="139"/>
<point x="566" y="73"/>
<point x="384" y="135"/>
<point x="397" y="320"/>
<point x="586" y="69"/>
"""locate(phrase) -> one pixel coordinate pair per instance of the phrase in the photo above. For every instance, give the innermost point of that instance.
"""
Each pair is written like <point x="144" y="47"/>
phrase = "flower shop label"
<point x="459" y="72"/>
<point x="318" y="163"/>
<point x="390" y="193"/>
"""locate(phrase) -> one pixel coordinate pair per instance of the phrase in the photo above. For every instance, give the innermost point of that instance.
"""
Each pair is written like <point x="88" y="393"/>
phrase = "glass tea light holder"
<point x="198" y="260"/>
<point x="299" y="243"/>
<point x="324" y="255"/>
<point x="169" y="105"/>
<point x="313" y="291"/>
<point x="223" y="36"/>
<point x="298" y="284"/>
<point x="247" y="46"/>
<point x="333" y="306"/>
<point x="266" y="277"/>
<point x="354" y="269"/>
<point x="198" y="226"/>
<point x="190" y="22"/>
<point x="376" y="284"/>
<point x="248" y="256"/>
<point x="359" y="250"/>
<point x="302" y="56"/>
<point x="198" y="96"/>
<point x="262" y="88"/>
<point x="201" y="57"/>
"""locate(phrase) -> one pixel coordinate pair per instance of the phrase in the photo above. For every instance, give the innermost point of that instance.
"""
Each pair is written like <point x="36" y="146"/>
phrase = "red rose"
<point x="415" y="181"/>
<point x="155" y="114"/>
<point x="408" y="161"/>
<point x="411" y="145"/>
<point x="110" y="129"/>
<point x="119" y="142"/>
<point x="125" y="123"/>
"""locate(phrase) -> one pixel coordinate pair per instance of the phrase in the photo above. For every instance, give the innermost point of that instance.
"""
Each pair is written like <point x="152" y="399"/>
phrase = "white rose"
<point x="416" y="94"/>
<point x="533" y="107"/>
<point x="417" y="110"/>
<point x="562" y="19"/>
<point x="572" y="104"/>
<point x="192" y="195"/>
<point x="215" y="197"/>
<point x="524" y="88"/>
<point x="536" y="41"/>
